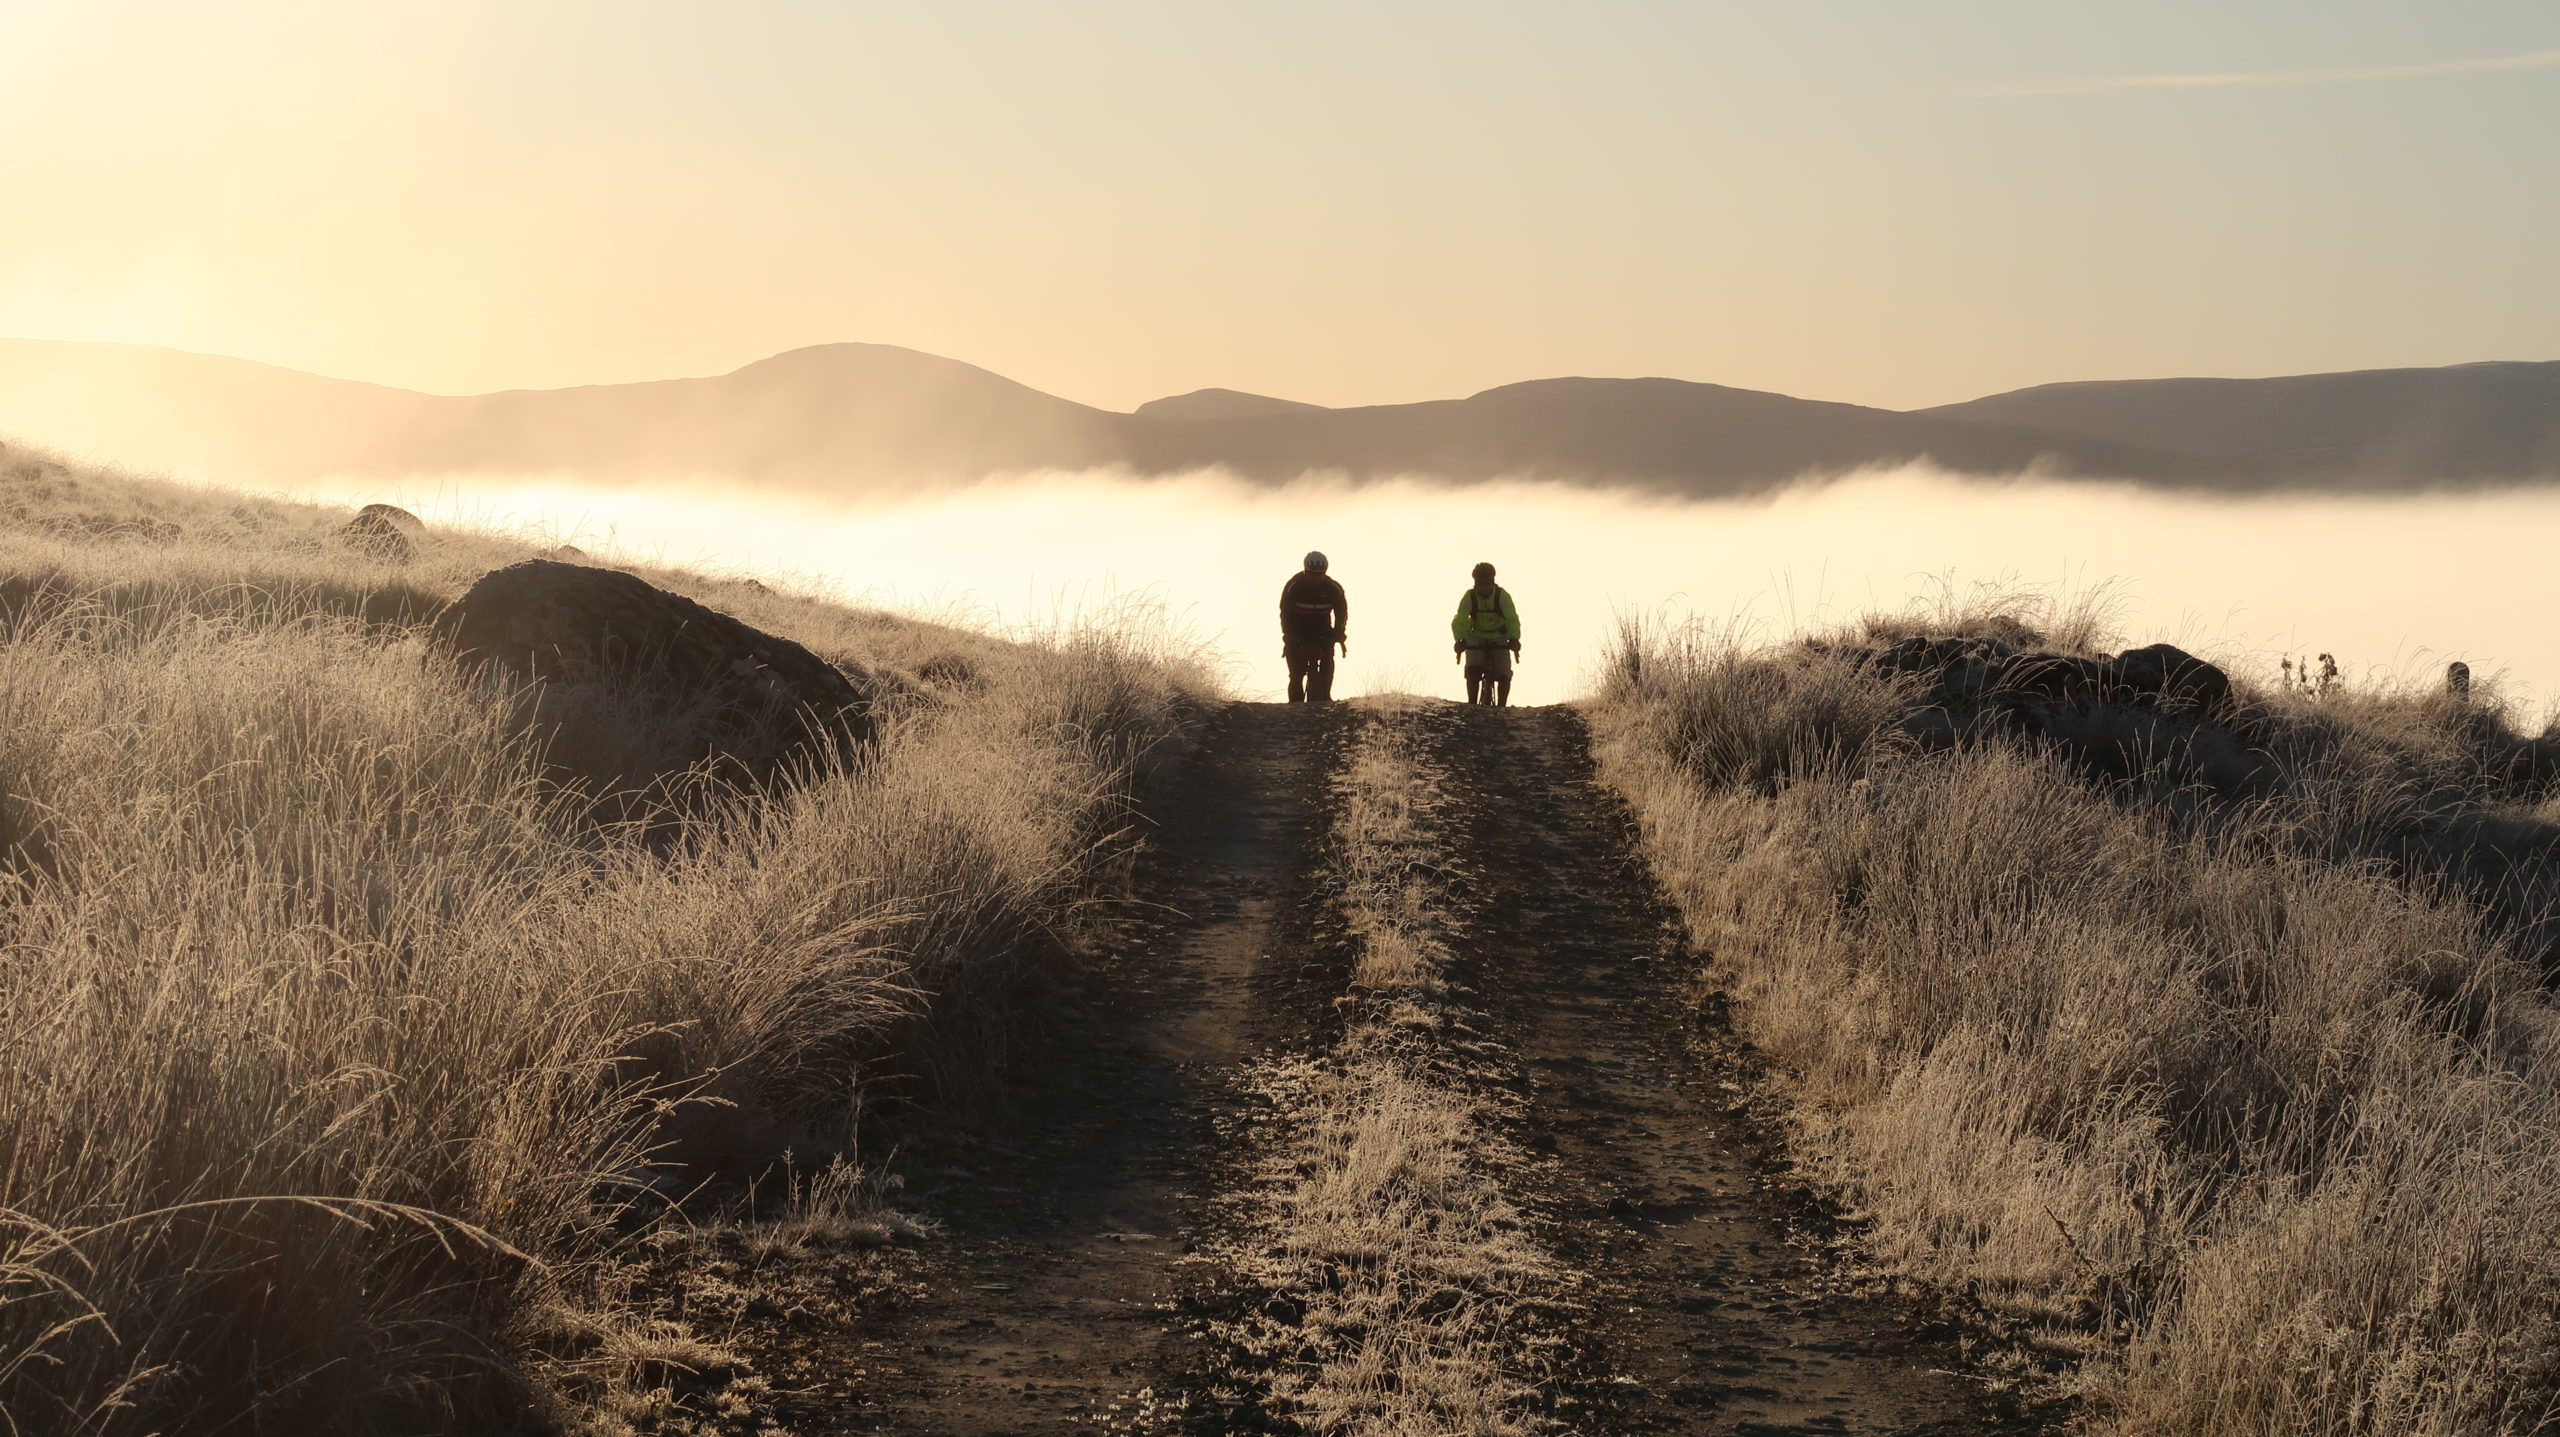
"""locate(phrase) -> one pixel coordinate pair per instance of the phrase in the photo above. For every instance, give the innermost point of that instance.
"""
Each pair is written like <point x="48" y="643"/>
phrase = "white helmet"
<point x="1315" y="561"/>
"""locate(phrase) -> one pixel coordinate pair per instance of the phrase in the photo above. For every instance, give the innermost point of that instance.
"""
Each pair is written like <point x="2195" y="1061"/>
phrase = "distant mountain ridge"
<point x="861" y="416"/>
<point x="1659" y="433"/>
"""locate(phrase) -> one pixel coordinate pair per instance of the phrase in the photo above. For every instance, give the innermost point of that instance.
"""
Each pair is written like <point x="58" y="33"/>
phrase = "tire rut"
<point x="1052" y="1304"/>
<point x="1710" y="1308"/>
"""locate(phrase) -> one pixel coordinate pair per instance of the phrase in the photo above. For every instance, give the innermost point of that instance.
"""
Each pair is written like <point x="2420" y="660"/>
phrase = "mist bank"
<point x="2393" y="585"/>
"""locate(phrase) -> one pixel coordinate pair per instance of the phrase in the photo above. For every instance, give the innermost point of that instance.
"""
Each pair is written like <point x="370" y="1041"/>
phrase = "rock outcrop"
<point x="714" y="687"/>
<point x="2152" y="714"/>
<point x="1987" y="670"/>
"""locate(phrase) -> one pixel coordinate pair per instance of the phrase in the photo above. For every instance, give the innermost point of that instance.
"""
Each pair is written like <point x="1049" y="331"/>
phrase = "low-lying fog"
<point x="2392" y="586"/>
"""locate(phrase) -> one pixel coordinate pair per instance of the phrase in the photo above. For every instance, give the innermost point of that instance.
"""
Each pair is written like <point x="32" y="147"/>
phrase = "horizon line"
<point x="1386" y="404"/>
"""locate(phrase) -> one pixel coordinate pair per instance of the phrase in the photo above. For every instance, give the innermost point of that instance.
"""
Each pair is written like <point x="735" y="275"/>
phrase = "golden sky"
<point x="1340" y="202"/>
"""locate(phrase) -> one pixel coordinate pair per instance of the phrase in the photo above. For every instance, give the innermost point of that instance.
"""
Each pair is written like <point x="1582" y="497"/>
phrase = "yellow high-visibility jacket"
<point x="1486" y="618"/>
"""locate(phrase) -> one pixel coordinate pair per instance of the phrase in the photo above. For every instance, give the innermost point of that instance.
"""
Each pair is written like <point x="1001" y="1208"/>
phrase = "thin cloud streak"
<point x="2270" y="79"/>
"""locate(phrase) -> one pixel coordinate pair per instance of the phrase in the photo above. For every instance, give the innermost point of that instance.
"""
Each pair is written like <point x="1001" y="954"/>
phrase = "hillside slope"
<point x="831" y="414"/>
<point x="165" y="409"/>
<point x="359" y="1016"/>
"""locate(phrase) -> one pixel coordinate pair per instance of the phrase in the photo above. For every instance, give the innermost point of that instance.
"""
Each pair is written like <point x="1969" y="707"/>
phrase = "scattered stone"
<point x="385" y="532"/>
<point x="395" y="517"/>
<point x="566" y="554"/>
<point x="949" y="671"/>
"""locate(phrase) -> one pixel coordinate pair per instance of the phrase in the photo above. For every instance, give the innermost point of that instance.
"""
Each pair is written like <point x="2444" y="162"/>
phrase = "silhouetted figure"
<point x="2457" y="681"/>
<point x="1315" y="619"/>
<point x="1487" y="630"/>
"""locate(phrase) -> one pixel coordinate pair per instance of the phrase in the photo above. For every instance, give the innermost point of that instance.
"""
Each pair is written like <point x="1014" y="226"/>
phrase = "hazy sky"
<point x="1875" y="200"/>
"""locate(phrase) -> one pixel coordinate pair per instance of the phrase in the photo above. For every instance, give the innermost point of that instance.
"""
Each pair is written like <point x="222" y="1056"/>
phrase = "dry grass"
<point x="2240" y="1083"/>
<point x="1382" y="1221"/>
<point x="336" y="1033"/>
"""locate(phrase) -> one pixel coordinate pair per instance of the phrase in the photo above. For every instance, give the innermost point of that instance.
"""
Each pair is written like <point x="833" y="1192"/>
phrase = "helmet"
<point x="1482" y="572"/>
<point x="1315" y="561"/>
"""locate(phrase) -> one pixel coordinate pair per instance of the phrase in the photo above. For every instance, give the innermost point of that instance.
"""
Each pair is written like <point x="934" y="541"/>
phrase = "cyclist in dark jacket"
<point x="1314" y="620"/>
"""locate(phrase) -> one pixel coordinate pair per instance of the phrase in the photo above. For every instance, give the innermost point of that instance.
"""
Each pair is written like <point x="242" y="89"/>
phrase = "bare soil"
<point x="1062" y="1295"/>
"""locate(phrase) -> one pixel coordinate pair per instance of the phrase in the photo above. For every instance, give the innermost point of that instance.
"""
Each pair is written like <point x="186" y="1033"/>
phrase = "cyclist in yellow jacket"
<point x="1487" y="630"/>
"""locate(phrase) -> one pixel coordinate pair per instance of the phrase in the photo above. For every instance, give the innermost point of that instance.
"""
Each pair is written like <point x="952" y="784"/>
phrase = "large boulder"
<point x="721" y="688"/>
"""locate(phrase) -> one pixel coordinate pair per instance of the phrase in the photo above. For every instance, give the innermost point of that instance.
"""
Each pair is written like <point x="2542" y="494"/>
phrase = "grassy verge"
<point x="2220" y="1053"/>
<point x="1401" y="1275"/>
<point x="339" y="1037"/>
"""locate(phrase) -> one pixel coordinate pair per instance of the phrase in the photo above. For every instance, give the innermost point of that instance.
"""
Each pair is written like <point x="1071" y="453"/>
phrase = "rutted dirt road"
<point x="1076" y="1287"/>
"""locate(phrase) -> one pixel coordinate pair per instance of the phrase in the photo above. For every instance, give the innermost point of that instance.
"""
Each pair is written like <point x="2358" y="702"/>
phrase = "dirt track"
<point x="1064" y="1295"/>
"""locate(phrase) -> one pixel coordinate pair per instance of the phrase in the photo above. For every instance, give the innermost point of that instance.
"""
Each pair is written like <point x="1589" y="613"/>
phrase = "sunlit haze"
<point x="2248" y="581"/>
<point x="1885" y="203"/>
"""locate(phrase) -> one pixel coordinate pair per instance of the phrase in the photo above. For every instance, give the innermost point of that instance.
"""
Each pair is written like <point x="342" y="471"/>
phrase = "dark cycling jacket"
<point x="1313" y="609"/>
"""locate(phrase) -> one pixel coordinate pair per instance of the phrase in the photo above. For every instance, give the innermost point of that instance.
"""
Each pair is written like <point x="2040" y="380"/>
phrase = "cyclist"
<point x="1487" y="629"/>
<point x="1314" y="619"/>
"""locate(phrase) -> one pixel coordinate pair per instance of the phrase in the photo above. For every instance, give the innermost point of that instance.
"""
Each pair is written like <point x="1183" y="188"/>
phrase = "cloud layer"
<point x="2398" y="585"/>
